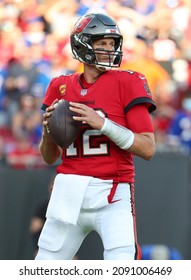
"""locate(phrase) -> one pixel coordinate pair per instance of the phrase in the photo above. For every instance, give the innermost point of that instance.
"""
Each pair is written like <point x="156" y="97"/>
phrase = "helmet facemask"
<point x="113" y="56"/>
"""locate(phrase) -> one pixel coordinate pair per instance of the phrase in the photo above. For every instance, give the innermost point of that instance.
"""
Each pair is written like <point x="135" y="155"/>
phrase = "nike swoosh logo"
<point x="113" y="201"/>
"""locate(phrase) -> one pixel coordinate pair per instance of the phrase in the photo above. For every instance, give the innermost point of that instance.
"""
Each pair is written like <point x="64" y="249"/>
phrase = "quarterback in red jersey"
<point x="94" y="185"/>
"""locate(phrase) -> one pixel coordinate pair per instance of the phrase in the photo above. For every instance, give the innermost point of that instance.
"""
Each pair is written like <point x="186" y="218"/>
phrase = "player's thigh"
<point x="117" y="226"/>
<point x="115" y="222"/>
<point x="59" y="240"/>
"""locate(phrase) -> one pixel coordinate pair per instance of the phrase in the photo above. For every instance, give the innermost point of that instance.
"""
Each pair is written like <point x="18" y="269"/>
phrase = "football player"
<point x="94" y="185"/>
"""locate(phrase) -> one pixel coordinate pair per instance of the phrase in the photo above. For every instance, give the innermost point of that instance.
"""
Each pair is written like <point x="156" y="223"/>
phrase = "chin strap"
<point x="103" y="68"/>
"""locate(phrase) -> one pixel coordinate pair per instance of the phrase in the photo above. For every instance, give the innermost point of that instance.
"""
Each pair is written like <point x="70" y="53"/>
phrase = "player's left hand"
<point x="87" y="115"/>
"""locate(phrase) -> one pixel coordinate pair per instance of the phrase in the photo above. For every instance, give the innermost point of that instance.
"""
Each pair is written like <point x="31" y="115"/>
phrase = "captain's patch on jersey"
<point x="62" y="89"/>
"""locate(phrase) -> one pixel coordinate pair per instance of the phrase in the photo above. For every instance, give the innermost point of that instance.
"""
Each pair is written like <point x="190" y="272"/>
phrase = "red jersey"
<point x="112" y="95"/>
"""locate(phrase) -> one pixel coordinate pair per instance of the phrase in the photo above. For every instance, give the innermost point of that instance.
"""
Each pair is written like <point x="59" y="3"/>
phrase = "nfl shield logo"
<point x="83" y="92"/>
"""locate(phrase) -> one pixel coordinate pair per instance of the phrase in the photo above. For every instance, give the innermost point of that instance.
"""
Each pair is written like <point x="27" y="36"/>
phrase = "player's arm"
<point x="143" y="145"/>
<point x="140" y="122"/>
<point x="48" y="149"/>
<point x="140" y="144"/>
<point x="138" y="138"/>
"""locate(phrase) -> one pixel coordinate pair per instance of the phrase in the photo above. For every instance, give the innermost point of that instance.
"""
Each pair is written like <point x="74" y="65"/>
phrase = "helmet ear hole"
<point x="90" y="58"/>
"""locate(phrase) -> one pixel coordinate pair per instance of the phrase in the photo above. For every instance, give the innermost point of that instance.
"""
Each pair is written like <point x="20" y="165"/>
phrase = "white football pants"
<point x="114" y="222"/>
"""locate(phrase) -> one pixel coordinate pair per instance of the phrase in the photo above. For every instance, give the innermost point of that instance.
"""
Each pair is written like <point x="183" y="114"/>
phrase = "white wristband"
<point x="120" y="135"/>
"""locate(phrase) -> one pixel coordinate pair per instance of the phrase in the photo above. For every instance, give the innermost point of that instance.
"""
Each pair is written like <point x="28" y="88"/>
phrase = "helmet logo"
<point x="112" y="31"/>
<point x="80" y="25"/>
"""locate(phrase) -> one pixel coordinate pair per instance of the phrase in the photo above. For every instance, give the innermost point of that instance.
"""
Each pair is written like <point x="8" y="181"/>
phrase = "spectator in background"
<point x="31" y="11"/>
<point x="9" y="34"/>
<point x="58" y="55"/>
<point x="22" y="78"/>
<point x="87" y="6"/>
<point x="144" y="7"/>
<point x="179" y="134"/>
<point x="136" y="56"/>
<point x="61" y="16"/>
<point x="35" y="33"/>
<point x="24" y="156"/>
<point x="27" y="120"/>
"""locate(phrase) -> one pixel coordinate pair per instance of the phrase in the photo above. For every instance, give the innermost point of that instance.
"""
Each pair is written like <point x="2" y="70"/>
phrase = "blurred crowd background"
<point x="35" y="47"/>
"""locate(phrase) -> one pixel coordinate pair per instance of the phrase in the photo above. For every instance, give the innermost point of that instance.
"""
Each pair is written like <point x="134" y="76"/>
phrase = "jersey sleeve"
<point x="52" y="93"/>
<point x="139" y="120"/>
<point x="137" y="91"/>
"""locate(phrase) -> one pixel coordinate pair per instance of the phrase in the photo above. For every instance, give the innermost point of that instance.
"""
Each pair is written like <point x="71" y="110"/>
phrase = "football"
<point x="62" y="128"/>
